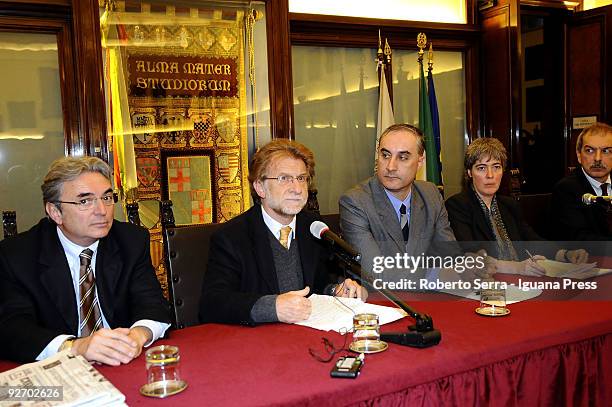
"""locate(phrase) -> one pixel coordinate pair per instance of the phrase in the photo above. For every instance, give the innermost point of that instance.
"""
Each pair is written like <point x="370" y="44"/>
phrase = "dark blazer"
<point x="472" y="228"/>
<point x="575" y="220"/>
<point x="241" y="266"/>
<point x="37" y="298"/>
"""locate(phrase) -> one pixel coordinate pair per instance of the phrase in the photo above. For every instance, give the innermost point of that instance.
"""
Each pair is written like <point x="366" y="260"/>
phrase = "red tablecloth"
<point x="543" y="353"/>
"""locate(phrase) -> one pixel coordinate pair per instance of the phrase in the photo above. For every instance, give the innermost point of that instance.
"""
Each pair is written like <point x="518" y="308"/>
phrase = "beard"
<point x="285" y="206"/>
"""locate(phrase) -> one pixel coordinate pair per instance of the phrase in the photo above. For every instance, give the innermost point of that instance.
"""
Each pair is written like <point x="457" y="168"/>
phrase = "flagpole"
<point x="385" y="105"/>
<point x="425" y="119"/>
<point x="435" y="117"/>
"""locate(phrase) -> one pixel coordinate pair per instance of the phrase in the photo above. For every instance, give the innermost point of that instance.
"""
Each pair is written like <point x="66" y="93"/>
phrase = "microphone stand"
<point x="420" y="335"/>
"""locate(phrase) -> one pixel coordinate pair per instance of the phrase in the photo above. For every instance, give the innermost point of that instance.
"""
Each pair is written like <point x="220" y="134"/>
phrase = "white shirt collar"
<point x="396" y="203"/>
<point x="276" y="226"/>
<point x="72" y="249"/>
<point x="596" y="184"/>
<point x="72" y="252"/>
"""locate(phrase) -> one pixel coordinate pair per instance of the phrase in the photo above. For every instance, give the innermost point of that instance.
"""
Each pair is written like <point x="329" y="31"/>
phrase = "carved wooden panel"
<point x="501" y="70"/>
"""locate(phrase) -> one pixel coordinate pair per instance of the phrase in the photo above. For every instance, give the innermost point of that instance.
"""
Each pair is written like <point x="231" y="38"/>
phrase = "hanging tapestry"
<point x="175" y="86"/>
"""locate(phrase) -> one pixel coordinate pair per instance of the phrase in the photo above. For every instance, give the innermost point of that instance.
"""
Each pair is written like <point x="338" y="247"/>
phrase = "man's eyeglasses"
<point x="84" y="204"/>
<point x="288" y="179"/>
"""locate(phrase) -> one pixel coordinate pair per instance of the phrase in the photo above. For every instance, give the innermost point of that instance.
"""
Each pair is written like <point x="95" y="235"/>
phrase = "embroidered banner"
<point x="168" y="76"/>
<point x="175" y="86"/>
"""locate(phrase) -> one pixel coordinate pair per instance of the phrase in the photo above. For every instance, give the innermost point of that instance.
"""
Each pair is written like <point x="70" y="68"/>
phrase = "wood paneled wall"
<point x="501" y="75"/>
<point x="588" y="71"/>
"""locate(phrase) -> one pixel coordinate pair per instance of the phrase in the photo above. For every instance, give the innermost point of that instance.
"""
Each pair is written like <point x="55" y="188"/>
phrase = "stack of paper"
<point x="571" y="270"/>
<point x="336" y="313"/>
<point x="77" y="381"/>
<point x="559" y="269"/>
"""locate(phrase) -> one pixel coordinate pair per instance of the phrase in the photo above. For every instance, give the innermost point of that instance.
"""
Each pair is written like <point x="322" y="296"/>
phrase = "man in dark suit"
<point x="263" y="263"/>
<point x="574" y="219"/>
<point x="79" y="280"/>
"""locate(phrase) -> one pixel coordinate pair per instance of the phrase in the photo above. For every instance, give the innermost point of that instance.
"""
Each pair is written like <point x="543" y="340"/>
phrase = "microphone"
<point x="588" y="199"/>
<point x="321" y="231"/>
<point x="420" y="335"/>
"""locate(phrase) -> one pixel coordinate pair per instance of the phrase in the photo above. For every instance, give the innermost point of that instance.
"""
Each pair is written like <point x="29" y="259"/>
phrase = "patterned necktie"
<point x="284" y="236"/>
<point x="89" y="309"/>
<point x="404" y="222"/>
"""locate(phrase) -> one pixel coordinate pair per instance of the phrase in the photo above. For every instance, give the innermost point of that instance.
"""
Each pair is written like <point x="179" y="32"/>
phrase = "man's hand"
<point x="109" y="346"/>
<point x="577" y="256"/>
<point x="142" y="335"/>
<point x="293" y="306"/>
<point x="484" y="266"/>
<point x="528" y="267"/>
<point x="350" y="289"/>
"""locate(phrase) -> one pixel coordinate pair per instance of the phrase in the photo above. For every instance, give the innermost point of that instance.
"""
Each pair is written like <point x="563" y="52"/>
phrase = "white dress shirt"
<point x="276" y="226"/>
<point x="596" y="184"/>
<point x="72" y="252"/>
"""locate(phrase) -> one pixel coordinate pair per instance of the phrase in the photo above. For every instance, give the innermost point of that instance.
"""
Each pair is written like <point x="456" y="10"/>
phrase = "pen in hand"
<point x="538" y="267"/>
<point x="531" y="256"/>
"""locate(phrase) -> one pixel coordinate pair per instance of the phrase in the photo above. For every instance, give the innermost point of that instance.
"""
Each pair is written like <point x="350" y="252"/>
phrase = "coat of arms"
<point x="147" y="169"/>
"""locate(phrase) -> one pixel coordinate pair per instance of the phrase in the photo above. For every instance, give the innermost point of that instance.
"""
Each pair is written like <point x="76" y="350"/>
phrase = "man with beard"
<point x="264" y="263"/>
<point x="574" y="219"/>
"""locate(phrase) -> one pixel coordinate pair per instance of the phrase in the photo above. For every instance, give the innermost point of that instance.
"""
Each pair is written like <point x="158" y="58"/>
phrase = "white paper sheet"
<point x="560" y="269"/>
<point x="570" y="270"/>
<point x="513" y="294"/>
<point x="329" y="313"/>
<point x="594" y="272"/>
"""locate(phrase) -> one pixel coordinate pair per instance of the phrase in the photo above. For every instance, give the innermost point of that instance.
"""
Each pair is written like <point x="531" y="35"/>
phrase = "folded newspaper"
<point x="60" y="380"/>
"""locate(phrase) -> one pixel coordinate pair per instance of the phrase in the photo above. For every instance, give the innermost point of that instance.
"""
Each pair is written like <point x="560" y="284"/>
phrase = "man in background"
<point x="574" y="219"/>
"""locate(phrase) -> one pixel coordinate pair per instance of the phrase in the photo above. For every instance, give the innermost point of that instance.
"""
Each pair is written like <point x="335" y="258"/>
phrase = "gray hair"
<point x="67" y="169"/>
<point x="598" y="129"/>
<point x="483" y="148"/>
<point x="487" y="147"/>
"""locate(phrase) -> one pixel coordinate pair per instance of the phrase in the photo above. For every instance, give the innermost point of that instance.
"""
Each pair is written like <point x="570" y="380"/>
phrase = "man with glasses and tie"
<point x="79" y="280"/>
<point x="576" y="220"/>
<point x="391" y="214"/>
<point x="263" y="263"/>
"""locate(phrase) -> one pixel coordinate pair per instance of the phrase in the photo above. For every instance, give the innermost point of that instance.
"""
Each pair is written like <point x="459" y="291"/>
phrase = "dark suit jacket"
<point x="575" y="220"/>
<point x="37" y="298"/>
<point x="241" y="266"/>
<point x="472" y="228"/>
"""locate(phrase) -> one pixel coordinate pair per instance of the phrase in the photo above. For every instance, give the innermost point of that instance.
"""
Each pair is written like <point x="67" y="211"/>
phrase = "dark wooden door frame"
<point x="56" y="21"/>
<point x="601" y="93"/>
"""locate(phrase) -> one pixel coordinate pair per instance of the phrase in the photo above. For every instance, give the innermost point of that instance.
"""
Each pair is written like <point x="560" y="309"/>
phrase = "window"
<point x="336" y="104"/>
<point x="31" y="121"/>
